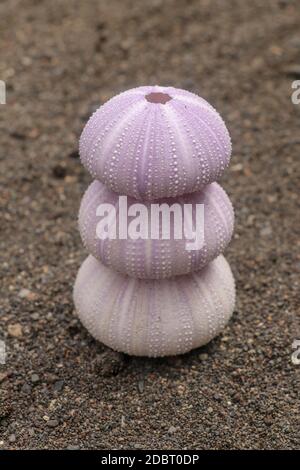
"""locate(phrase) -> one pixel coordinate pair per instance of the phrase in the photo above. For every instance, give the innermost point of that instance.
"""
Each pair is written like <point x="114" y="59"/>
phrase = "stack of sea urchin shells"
<point x="153" y="296"/>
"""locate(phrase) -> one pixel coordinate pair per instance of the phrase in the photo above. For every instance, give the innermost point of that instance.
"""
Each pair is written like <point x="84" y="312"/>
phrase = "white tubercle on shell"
<point x="157" y="258"/>
<point x="152" y="142"/>
<point x="150" y="317"/>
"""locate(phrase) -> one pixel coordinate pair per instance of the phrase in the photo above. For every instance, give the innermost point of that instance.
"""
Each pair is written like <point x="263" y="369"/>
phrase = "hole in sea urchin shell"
<point x="157" y="97"/>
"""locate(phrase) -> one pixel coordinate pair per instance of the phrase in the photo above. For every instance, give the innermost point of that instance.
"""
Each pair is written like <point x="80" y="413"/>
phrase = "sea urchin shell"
<point x="157" y="258"/>
<point x="153" y="142"/>
<point x="151" y="317"/>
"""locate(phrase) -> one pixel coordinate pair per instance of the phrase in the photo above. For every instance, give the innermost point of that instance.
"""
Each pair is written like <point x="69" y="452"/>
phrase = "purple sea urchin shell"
<point x="154" y="259"/>
<point x="154" y="142"/>
<point x="154" y="318"/>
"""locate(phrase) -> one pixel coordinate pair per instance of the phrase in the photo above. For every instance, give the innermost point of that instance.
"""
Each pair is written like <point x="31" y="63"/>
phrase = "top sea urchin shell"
<point x="153" y="142"/>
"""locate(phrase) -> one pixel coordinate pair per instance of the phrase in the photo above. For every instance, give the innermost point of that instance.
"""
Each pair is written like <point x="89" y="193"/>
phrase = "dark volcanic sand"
<point x="62" y="389"/>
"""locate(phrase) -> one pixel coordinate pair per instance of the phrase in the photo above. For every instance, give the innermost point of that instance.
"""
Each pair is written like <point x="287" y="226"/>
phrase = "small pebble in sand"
<point x="58" y="386"/>
<point x="26" y="388"/>
<point x="27" y="294"/>
<point x="15" y="330"/>
<point x="203" y="357"/>
<point x="172" y="430"/>
<point x="52" y="423"/>
<point x="141" y="386"/>
<point x="34" y="378"/>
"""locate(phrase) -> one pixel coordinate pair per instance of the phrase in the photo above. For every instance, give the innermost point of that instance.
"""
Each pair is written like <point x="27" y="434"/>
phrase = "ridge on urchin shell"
<point x="153" y="142"/>
<point x="157" y="258"/>
<point x="154" y="318"/>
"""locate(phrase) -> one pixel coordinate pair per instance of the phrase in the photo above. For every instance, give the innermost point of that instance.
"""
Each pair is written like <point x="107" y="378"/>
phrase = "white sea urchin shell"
<point x="151" y="317"/>
<point x="162" y="258"/>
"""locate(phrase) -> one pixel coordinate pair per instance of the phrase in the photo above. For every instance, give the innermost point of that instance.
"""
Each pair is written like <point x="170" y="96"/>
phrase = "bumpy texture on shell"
<point x="150" y="150"/>
<point x="154" y="318"/>
<point x="154" y="259"/>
